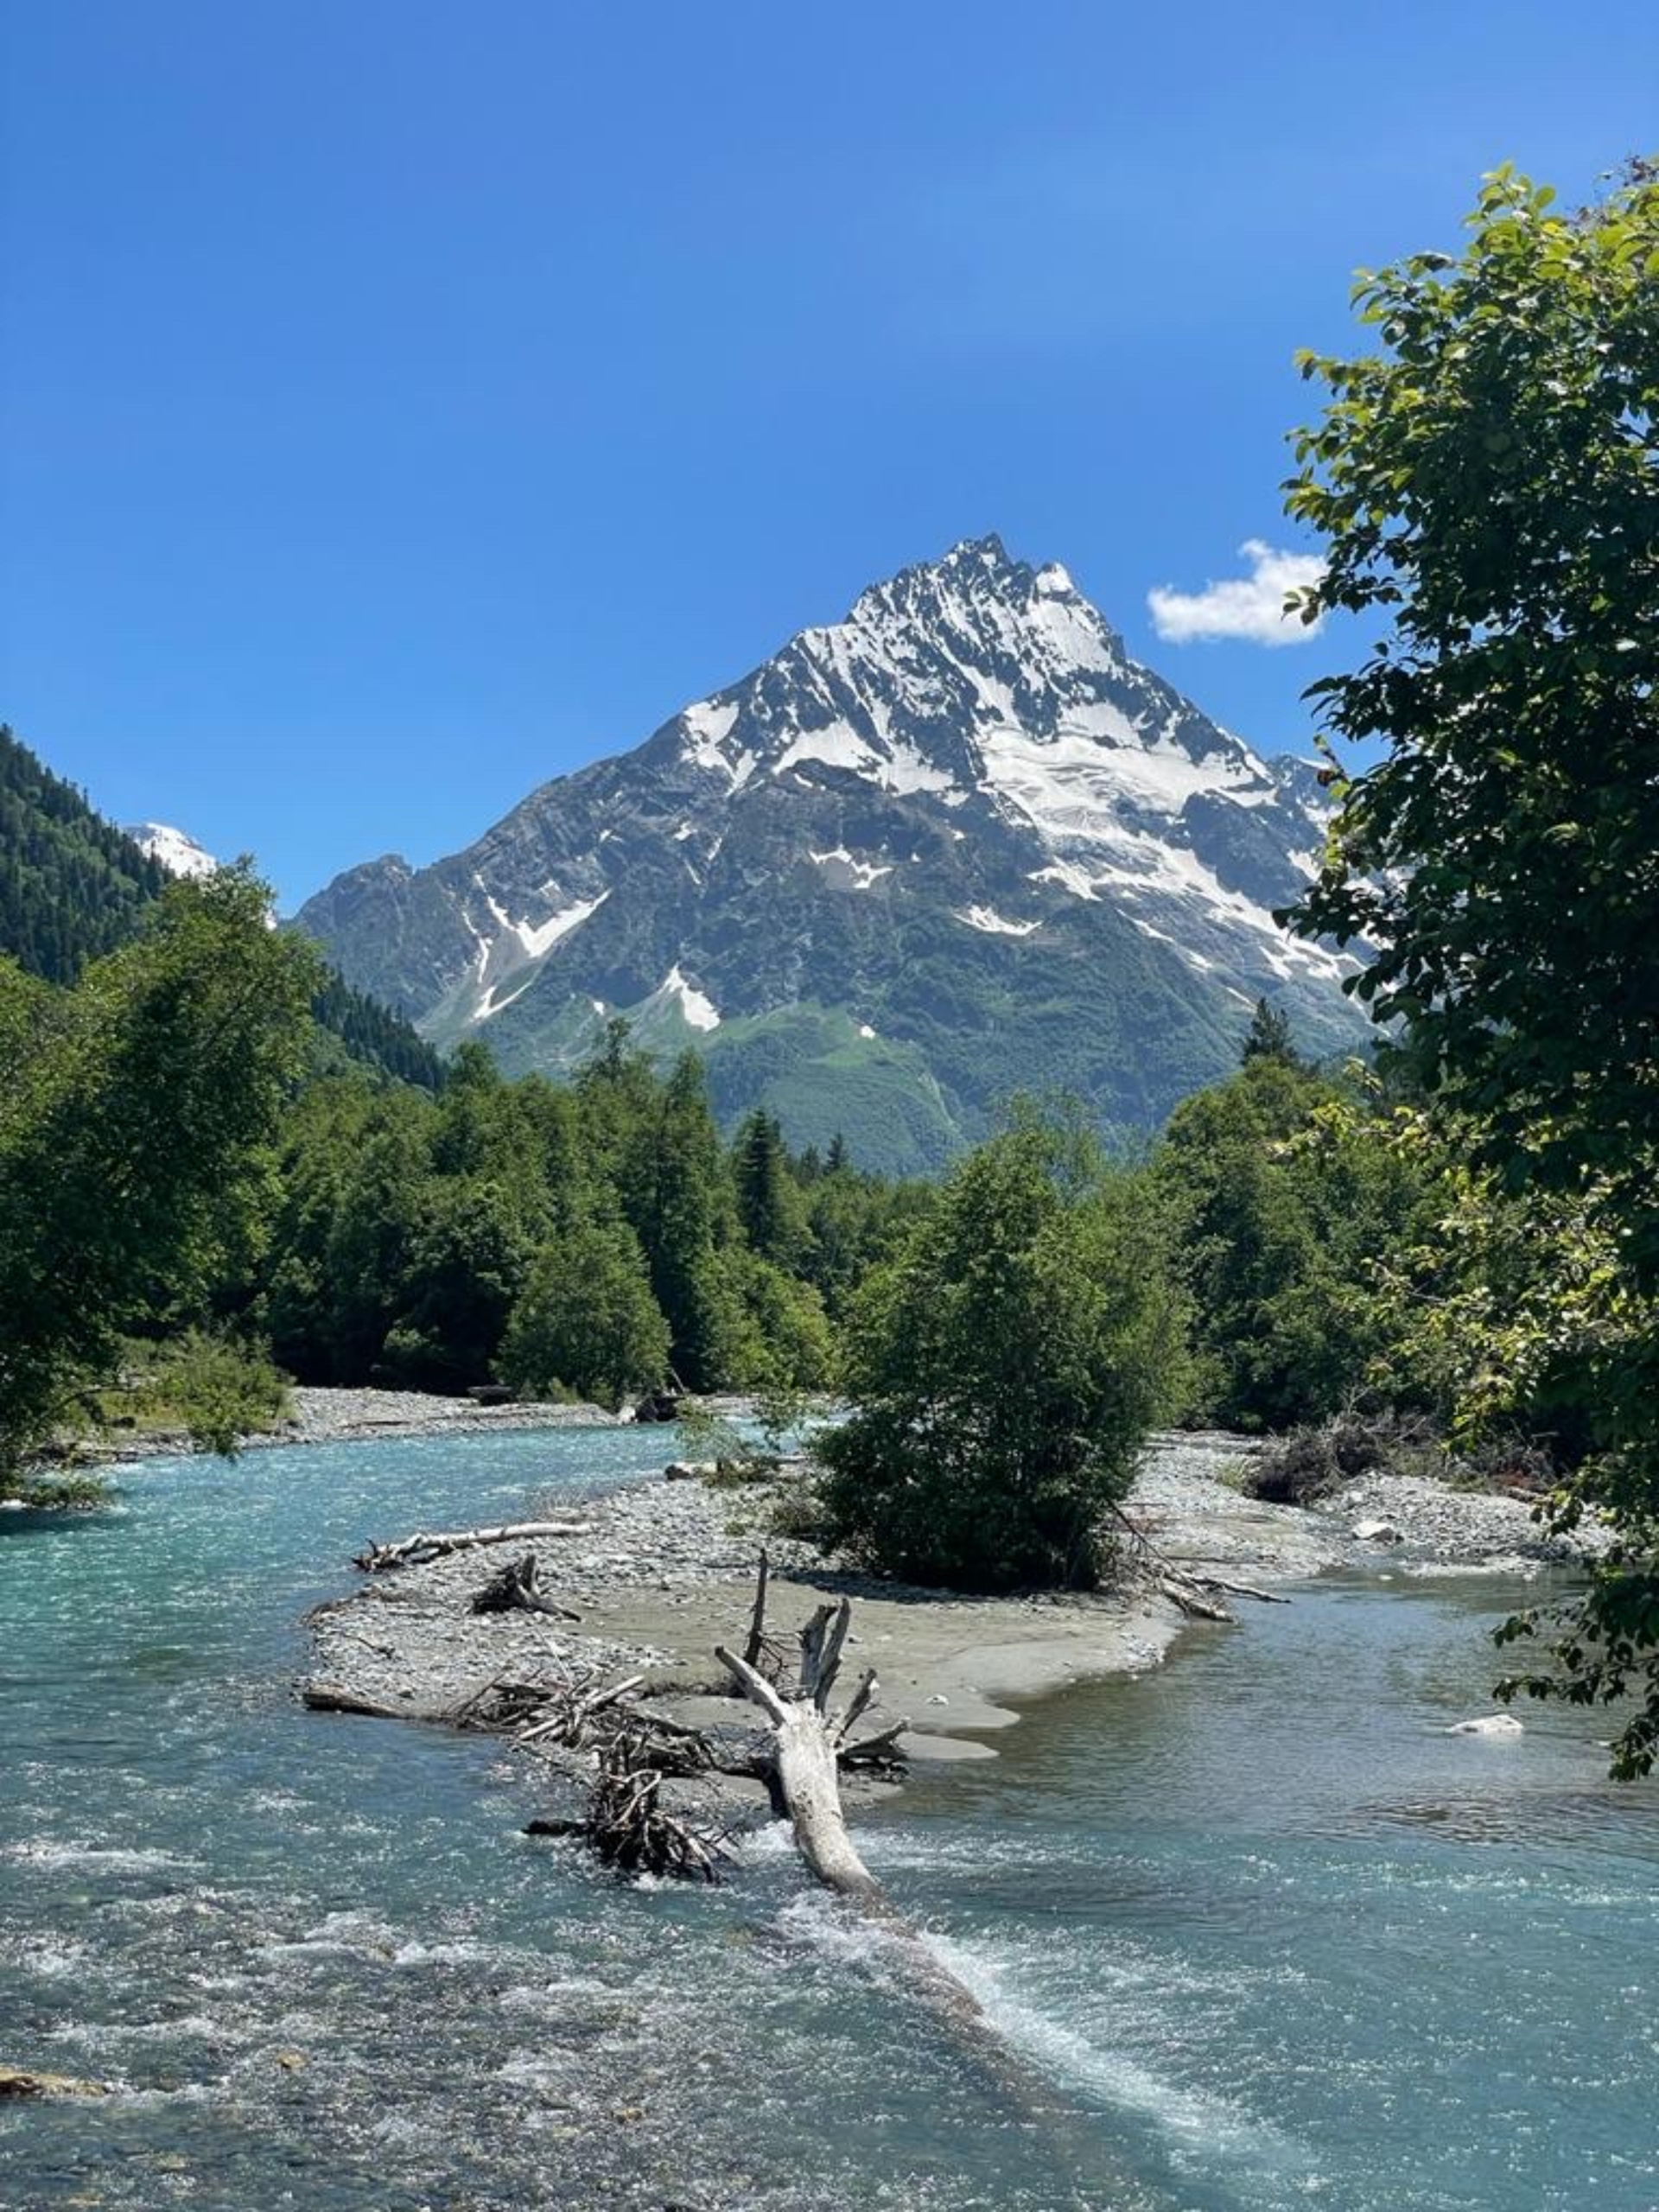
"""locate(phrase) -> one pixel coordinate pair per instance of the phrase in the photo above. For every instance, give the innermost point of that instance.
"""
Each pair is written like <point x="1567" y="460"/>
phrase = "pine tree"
<point x="677" y="1194"/>
<point x="1269" y="1037"/>
<point x="767" y="1202"/>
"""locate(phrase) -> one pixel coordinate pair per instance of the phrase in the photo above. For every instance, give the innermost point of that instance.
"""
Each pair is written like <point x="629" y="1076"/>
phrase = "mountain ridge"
<point x="957" y="843"/>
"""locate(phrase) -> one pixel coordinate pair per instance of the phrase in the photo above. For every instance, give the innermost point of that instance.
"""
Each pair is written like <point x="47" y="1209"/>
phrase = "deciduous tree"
<point x="1005" y="1370"/>
<point x="136" y="1115"/>
<point x="1487" y="478"/>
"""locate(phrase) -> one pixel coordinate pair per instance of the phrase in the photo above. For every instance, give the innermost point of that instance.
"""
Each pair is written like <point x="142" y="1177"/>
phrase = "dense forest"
<point x="599" y="1238"/>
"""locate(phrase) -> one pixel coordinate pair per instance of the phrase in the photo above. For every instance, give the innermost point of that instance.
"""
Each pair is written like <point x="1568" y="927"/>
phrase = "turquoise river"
<point x="1270" y="1938"/>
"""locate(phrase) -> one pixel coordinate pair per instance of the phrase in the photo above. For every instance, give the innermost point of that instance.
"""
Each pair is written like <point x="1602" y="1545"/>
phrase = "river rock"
<point x="1377" y="1532"/>
<point x="30" y="2081"/>
<point x="1488" y="1723"/>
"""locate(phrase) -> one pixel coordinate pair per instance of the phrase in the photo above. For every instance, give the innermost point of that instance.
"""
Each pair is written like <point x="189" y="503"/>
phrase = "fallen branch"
<point x="758" y="1618"/>
<point x="319" y="1698"/>
<point x="1196" y="1590"/>
<point x="1183" y="1591"/>
<point x="1243" y="1590"/>
<point x="881" y="1750"/>
<point x="416" y="1550"/>
<point x="629" y="1827"/>
<point x="500" y="1702"/>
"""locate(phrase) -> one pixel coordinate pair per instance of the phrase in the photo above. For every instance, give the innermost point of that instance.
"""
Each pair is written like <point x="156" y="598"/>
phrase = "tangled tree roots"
<point x="516" y="1589"/>
<point x="629" y="1827"/>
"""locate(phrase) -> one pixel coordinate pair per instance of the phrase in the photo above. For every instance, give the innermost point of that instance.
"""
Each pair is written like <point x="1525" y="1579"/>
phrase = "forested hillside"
<point x="72" y="886"/>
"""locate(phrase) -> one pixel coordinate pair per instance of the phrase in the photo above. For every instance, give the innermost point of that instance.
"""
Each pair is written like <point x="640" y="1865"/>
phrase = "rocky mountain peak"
<point x="958" y="842"/>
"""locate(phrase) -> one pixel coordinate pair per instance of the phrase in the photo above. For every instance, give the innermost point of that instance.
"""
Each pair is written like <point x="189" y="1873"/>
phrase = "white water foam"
<point x="538" y="2070"/>
<point x="51" y="1961"/>
<point x="50" y="1852"/>
<point x="776" y="1840"/>
<point x="455" y="1954"/>
<point x="357" y="1933"/>
<point x="192" y="2026"/>
<point x="1197" y="2126"/>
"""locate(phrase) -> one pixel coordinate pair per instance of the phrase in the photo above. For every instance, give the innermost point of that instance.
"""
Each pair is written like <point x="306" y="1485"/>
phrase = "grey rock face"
<point x="959" y="844"/>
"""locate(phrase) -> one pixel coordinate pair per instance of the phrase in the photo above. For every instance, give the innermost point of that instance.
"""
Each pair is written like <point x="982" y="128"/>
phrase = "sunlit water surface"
<point x="1273" y="1940"/>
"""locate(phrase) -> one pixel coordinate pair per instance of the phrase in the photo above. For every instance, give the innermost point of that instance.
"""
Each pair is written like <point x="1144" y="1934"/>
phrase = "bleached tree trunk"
<point x="809" y="1745"/>
<point x="416" y="1550"/>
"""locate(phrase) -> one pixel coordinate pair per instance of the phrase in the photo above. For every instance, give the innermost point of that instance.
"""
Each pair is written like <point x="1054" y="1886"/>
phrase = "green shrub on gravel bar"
<point x="1005" y="1372"/>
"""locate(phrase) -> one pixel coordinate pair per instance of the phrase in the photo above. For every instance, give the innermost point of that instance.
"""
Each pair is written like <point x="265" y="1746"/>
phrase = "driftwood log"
<point x="1201" y="1594"/>
<point x="1204" y="1596"/>
<point x="808" y="1745"/>
<point x="322" y="1697"/>
<point x="416" y="1550"/>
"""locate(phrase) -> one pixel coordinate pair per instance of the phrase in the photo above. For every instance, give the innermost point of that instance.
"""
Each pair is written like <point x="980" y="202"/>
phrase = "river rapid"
<point x="1267" y="1937"/>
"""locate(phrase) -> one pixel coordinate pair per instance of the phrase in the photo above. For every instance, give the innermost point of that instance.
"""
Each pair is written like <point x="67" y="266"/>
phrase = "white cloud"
<point x="1252" y="608"/>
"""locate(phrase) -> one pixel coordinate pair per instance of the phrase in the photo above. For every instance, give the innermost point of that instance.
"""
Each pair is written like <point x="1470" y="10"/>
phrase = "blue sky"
<point x="403" y="403"/>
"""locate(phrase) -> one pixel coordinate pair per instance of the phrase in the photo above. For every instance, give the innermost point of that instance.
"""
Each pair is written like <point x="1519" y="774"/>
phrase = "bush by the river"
<point x="1005" y="1370"/>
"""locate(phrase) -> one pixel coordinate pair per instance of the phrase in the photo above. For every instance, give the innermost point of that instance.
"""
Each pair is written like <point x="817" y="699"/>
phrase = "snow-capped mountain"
<point x="177" y="854"/>
<point x="959" y="844"/>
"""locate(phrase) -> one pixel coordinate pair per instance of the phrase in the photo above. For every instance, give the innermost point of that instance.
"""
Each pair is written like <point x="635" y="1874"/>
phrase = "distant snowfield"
<point x="178" y="854"/>
<point x="996" y="924"/>
<point x="698" y="1008"/>
<point x="845" y="869"/>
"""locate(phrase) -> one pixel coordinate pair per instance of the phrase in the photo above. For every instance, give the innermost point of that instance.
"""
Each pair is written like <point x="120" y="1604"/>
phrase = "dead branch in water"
<point x="626" y="1822"/>
<point x="1198" y="1593"/>
<point x="630" y="1828"/>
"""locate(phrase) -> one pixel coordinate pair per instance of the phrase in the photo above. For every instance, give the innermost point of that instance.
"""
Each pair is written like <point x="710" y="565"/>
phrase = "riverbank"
<point x="660" y="1572"/>
<point x="319" y="1415"/>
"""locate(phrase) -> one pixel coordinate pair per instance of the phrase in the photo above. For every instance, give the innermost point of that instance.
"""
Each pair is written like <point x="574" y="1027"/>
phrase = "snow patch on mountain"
<point x="700" y="1010"/>
<point x="178" y="854"/>
<point x="1070" y="877"/>
<point x="1079" y="782"/>
<point x="490" y="1004"/>
<point x="539" y="938"/>
<point x="996" y="924"/>
<point x="846" y="872"/>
